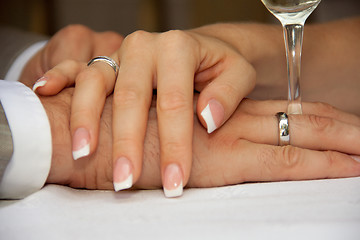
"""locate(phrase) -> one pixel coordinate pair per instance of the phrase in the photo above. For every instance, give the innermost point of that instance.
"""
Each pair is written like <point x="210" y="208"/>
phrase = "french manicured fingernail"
<point x="356" y="158"/>
<point x="40" y="83"/>
<point x="122" y="174"/>
<point x="173" y="181"/>
<point x="81" y="143"/>
<point x="213" y="114"/>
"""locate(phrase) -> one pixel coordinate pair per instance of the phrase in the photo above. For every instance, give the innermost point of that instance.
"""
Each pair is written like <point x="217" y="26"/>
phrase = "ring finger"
<point x="306" y="131"/>
<point x="93" y="84"/>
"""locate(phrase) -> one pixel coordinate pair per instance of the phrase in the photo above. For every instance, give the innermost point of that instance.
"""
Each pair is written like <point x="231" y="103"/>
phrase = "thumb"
<point x="219" y="99"/>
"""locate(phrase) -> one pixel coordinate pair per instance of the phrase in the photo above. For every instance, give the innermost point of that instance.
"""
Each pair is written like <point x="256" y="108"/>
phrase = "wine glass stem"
<point x="293" y="34"/>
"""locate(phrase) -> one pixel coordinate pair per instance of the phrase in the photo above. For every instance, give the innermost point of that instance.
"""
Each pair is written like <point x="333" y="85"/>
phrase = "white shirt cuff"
<point x="31" y="160"/>
<point x="17" y="67"/>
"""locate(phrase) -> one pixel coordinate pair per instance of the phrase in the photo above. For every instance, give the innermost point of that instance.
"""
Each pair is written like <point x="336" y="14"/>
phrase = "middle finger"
<point x="175" y="69"/>
<point x="131" y="103"/>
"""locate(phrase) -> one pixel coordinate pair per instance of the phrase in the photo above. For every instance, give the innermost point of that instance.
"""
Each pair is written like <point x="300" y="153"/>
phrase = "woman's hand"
<point x="324" y="144"/>
<point x="75" y="42"/>
<point x="208" y="57"/>
<point x="174" y="63"/>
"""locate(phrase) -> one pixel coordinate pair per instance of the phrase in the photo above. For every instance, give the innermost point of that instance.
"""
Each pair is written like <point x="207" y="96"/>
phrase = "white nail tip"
<point x="206" y="114"/>
<point x="126" y="184"/>
<point x="39" y="84"/>
<point x="82" y="152"/>
<point x="177" y="192"/>
<point x="356" y="158"/>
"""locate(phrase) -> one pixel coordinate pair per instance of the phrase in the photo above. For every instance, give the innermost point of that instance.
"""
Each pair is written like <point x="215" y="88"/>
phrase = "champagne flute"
<point x="292" y="14"/>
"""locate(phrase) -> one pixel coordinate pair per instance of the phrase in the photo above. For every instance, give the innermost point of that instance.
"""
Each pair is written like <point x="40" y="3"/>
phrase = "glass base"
<point x="294" y="108"/>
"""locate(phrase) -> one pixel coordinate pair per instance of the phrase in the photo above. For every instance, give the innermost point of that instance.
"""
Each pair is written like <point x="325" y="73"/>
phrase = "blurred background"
<point x="126" y="16"/>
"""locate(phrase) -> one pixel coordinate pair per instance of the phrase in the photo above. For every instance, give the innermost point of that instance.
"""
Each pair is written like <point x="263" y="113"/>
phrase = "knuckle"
<point x="289" y="157"/>
<point x="92" y="75"/>
<point x="320" y="124"/>
<point x="174" y="101"/>
<point x="276" y="160"/>
<point x="112" y="36"/>
<point x="95" y="77"/>
<point x="136" y="39"/>
<point x="251" y="76"/>
<point x="325" y="109"/>
<point x="245" y="69"/>
<point x="176" y="39"/>
<point x="126" y="97"/>
<point x="229" y="89"/>
<point x="76" y="31"/>
<point x="330" y="158"/>
<point x="68" y="42"/>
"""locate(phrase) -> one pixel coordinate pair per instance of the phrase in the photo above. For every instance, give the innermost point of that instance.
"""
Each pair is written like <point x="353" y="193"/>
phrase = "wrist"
<point x="255" y="42"/>
<point x="261" y="45"/>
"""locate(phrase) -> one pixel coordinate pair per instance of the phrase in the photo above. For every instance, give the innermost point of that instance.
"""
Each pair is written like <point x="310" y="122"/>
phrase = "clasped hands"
<point x="163" y="141"/>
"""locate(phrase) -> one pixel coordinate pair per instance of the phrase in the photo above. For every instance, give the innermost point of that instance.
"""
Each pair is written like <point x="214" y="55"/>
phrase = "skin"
<point x="172" y="76"/>
<point x="256" y="47"/>
<point x="329" y="56"/>
<point x="75" y="42"/>
<point x="241" y="151"/>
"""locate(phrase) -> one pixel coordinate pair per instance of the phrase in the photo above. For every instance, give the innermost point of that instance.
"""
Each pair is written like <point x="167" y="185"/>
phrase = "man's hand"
<point x="243" y="150"/>
<point x="75" y="42"/>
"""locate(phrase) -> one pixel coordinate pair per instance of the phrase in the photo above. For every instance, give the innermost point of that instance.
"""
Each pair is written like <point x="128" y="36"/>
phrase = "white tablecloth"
<point x="320" y="209"/>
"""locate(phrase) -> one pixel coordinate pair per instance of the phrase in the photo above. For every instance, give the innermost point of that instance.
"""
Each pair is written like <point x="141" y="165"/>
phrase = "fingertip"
<point x="81" y="143"/>
<point x="41" y="82"/>
<point x="122" y="174"/>
<point x="173" y="181"/>
<point x="82" y="152"/>
<point x="356" y="158"/>
<point x="213" y="115"/>
<point x="48" y="86"/>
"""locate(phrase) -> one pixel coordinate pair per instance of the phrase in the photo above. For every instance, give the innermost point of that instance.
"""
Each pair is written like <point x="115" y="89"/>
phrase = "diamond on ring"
<point x="109" y="61"/>
<point x="284" y="134"/>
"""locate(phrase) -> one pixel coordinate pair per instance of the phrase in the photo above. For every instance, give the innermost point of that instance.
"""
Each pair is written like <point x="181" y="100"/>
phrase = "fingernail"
<point x="213" y="114"/>
<point x="122" y="175"/>
<point x="81" y="143"/>
<point x="173" y="184"/>
<point x="356" y="158"/>
<point x="40" y="83"/>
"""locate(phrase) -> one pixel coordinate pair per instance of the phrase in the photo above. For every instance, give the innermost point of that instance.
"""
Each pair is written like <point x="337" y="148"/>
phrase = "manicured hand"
<point x="174" y="63"/>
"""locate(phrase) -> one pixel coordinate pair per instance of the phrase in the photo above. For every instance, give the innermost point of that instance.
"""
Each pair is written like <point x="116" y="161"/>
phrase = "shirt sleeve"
<point x="18" y="65"/>
<point x="30" y="163"/>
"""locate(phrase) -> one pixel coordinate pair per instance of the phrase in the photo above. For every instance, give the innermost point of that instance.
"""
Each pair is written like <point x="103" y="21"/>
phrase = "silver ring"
<point x="284" y="134"/>
<point x="108" y="61"/>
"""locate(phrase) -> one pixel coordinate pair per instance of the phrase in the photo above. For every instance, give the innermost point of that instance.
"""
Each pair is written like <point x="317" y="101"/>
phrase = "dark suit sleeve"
<point x="6" y="146"/>
<point x="12" y="43"/>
